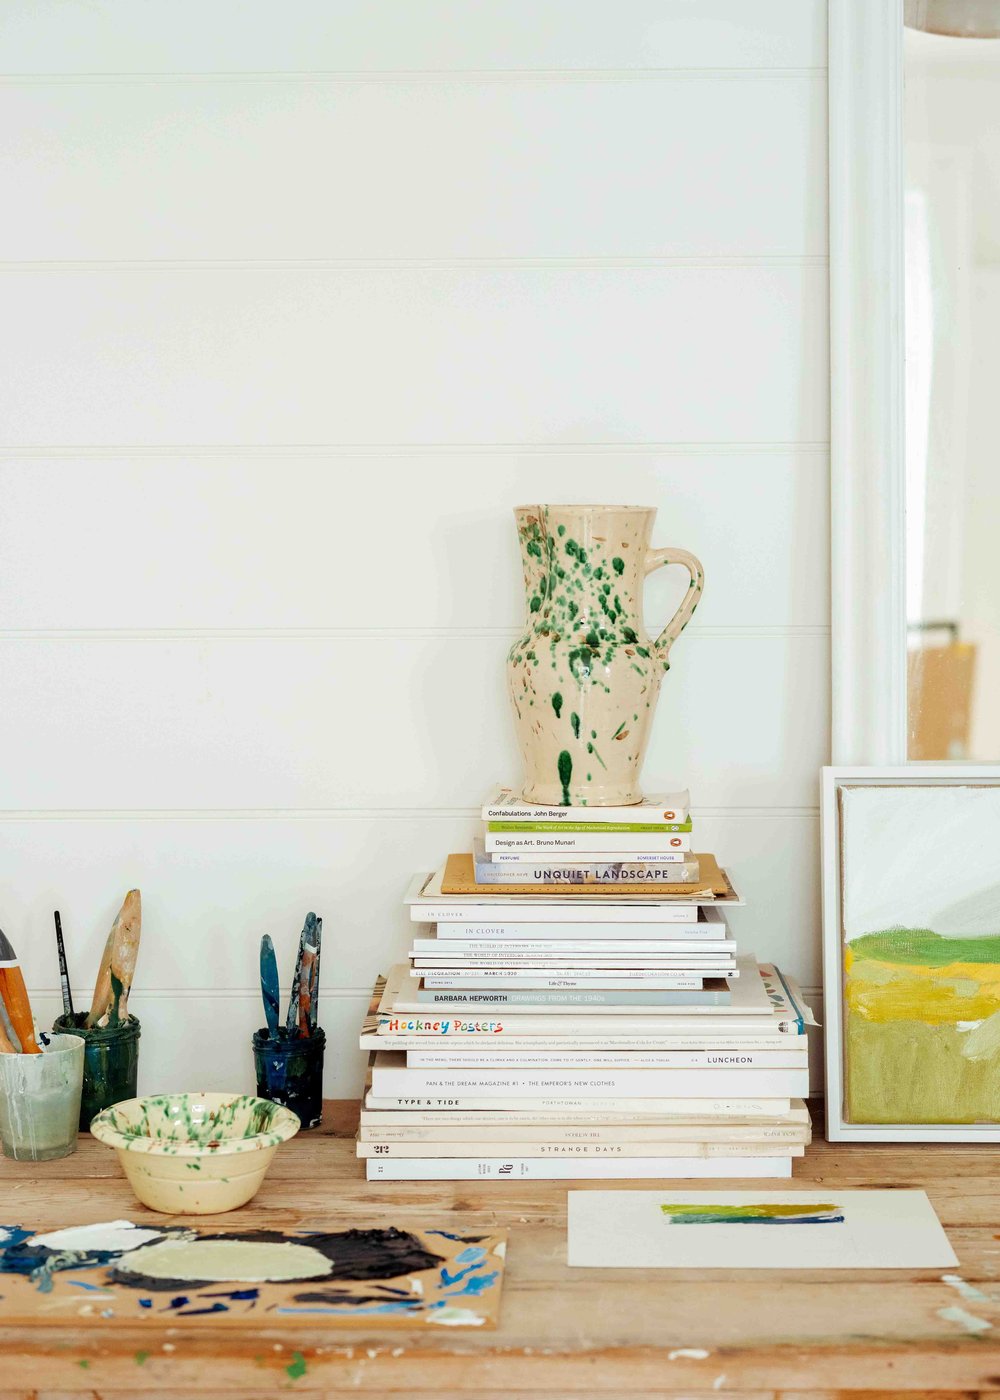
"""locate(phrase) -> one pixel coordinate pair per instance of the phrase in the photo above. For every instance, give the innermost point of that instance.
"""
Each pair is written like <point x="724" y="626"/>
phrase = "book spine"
<point x="570" y="932"/>
<point x="590" y="828"/>
<point x="578" y="1151"/>
<point x="629" y="1083"/>
<point x="551" y="1169"/>
<point x="530" y="872"/>
<point x="579" y="1110"/>
<point x="709" y="999"/>
<point x="582" y="981"/>
<point x="592" y="861"/>
<point x="671" y="807"/>
<point x="579" y="1057"/>
<point x="558" y="963"/>
<point x="565" y="842"/>
<point x="638" y="1135"/>
<point x="574" y="1030"/>
<point x="557" y="947"/>
<point x="469" y="914"/>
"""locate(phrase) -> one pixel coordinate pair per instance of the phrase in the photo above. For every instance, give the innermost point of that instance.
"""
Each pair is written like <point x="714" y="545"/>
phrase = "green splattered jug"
<point x="583" y="676"/>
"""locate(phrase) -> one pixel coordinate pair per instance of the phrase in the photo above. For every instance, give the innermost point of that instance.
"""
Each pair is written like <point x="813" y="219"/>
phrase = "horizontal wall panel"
<point x="212" y="885"/>
<point x="188" y="36"/>
<point x="655" y="354"/>
<point x="281" y="523"/>
<point x="414" y="170"/>
<point x="203" y="1042"/>
<point x="374" y="721"/>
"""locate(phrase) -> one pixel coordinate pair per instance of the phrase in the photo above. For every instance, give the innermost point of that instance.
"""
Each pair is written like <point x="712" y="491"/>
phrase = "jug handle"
<point x="657" y="559"/>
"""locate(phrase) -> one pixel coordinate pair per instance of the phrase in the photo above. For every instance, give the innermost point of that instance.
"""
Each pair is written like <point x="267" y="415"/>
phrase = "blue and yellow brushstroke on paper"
<point x="922" y="1028"/>
<point x="761" y="1213"/>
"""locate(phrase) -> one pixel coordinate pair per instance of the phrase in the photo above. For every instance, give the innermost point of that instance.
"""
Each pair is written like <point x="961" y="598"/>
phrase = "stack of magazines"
<point x="599" y="1026"/>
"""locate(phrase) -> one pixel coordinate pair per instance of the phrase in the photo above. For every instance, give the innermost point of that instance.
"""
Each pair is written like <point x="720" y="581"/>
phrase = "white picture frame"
<point x="838" y="1128"/>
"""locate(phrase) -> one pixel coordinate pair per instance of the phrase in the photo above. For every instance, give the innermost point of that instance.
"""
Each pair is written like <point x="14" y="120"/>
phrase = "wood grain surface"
<point x="563" y="1334"/>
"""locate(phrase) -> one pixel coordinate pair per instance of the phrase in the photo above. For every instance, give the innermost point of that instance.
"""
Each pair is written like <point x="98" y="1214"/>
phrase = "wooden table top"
<point x="563" y="1333"/>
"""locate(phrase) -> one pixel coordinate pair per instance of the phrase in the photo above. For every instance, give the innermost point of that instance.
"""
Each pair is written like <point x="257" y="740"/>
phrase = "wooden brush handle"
<point x="15" y="998"/>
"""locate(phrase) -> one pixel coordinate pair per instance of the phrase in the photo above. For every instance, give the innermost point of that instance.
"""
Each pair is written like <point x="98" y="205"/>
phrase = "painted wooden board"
<point x="117" y="1273"/>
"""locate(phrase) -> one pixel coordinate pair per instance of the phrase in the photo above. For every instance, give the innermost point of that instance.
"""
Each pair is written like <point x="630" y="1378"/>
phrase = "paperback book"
<point x="552" y="1169"/>
<point x="513" y="924"/>
<point x="580" y="1151"/>
<point x="600" y="904"/>
<point x="714" y="1117"/>
<point x="584" y="947"/>
<point x="391" y="1078"/>
<point x="631" y="846"/>
<point x="506" y="805"/>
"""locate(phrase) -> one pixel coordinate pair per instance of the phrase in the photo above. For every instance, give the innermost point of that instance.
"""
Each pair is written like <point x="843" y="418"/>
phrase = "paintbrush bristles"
<point x="114" y="977"/>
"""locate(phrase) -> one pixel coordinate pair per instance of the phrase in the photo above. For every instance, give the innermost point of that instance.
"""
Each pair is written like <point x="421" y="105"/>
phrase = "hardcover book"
<point x="459" y="878"/>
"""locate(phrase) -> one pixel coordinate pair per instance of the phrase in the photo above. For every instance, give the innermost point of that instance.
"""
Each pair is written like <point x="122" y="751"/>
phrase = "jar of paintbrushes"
<point x="39" y="1083"/>
<point x="110" y="1033"/>
<point x="288" y="1056"/>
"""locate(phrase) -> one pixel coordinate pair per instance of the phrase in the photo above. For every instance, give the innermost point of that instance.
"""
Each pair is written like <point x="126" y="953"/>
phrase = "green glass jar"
<point x="110" y="1063"/>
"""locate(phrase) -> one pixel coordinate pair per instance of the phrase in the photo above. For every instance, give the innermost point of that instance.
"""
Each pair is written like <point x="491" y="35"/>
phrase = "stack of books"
<point x="527" y="844"/>
<point x="599" y="1024"/>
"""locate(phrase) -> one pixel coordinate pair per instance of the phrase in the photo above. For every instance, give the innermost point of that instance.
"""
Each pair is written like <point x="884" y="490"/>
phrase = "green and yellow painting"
<point x="922" y="1014"/>
<point x="921" y="955"/>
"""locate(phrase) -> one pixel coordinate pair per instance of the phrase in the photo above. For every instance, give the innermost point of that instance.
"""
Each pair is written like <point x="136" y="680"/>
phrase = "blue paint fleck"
<point x="475" y="1286"/>
<point x="448" y="1279"/>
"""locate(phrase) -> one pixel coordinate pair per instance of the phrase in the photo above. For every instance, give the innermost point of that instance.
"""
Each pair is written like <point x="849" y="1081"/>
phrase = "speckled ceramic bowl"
<point x="195" y="1154"/>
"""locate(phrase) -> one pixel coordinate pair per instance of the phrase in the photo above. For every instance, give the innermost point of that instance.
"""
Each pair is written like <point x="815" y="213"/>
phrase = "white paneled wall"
<point x="297" y="304"/>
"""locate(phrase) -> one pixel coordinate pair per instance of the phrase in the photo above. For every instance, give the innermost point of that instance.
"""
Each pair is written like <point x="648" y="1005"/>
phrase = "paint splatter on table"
<point x="631" y="1334"/>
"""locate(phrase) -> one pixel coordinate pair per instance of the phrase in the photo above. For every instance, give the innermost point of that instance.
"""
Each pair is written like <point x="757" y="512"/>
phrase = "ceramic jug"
<point x="583" y="676"/>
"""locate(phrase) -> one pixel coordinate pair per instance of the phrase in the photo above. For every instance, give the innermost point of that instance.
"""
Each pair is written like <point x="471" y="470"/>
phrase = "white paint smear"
<point x="118" y="1236"/>
<point x="456" y="1317"/>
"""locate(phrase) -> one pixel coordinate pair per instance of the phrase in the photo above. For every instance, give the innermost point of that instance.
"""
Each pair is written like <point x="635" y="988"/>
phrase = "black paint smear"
<point x="355" y="1255"/>
<point x="473" y="1239"/>
<point x="335" y="1297"/>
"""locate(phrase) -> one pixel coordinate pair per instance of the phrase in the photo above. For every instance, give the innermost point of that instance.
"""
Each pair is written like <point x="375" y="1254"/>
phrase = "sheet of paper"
<point x="821" y="1228"/>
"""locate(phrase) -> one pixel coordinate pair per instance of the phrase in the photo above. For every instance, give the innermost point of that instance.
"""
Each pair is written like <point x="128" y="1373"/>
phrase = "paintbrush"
<point x="114" y="977"/>
<point x="15" y="998"/>
<point x="306" y="974"/>
<point x="314" y="988"/>
<point x="306" y="936"/>
<point x="67" y="995"/>
<point x="270" y="988"/>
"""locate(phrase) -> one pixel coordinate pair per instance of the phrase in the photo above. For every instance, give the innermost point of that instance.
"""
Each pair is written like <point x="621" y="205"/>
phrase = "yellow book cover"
<point x="460" y="878"/>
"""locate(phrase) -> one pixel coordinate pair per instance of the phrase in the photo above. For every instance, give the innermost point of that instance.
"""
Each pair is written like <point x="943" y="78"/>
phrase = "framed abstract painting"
<point x="911" y="952"/>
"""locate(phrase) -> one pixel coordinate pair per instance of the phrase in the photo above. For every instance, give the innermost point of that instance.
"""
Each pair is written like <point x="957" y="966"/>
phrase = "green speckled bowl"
<point x="195" y="1154"/>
